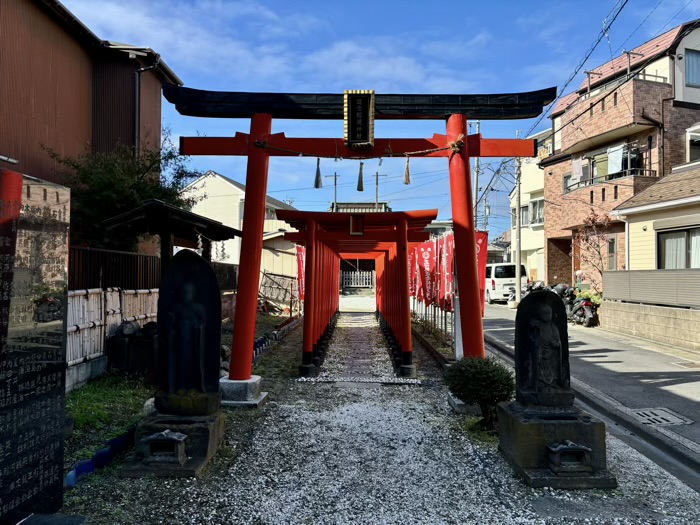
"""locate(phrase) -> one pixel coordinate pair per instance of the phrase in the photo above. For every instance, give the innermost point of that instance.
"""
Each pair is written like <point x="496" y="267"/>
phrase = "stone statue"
<point x="541" y="352"/>
<point x="186" y="330"/>
<point x="189" y="337"/>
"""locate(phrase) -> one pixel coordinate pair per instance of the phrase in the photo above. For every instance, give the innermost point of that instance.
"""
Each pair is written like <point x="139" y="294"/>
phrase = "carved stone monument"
<point x="34" y="218"/>
<point x="548" y="441"/>
<point x="188" y="400"/>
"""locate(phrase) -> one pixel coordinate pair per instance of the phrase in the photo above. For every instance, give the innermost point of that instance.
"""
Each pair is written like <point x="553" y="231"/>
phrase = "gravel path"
<point x="347" y="453"/>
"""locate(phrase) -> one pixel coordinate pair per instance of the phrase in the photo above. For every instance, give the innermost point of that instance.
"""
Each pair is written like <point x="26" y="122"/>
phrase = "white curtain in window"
<point x="692" y="68"/>
<point x="673" y="250"/>
<point x="615" y="158"/>
<point x="695" y="248"/>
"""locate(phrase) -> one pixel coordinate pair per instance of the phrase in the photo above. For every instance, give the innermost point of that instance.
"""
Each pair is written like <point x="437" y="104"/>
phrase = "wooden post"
<point x="251" y="246"/>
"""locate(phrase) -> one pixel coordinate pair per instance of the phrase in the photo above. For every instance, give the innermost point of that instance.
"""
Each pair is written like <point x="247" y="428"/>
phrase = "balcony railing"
<point x="632" y="172"/>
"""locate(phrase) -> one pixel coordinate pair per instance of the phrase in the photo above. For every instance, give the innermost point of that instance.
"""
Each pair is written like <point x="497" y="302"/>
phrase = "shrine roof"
<point x="156" y="217"/>
<point x="330" y="106"/>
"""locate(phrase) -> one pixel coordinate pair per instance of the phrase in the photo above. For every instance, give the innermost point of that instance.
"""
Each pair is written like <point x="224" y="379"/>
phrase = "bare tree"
<point x="590" y="245"/>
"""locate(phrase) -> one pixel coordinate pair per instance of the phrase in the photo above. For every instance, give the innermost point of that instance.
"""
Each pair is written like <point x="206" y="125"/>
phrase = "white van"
<point x="500" y="278"/>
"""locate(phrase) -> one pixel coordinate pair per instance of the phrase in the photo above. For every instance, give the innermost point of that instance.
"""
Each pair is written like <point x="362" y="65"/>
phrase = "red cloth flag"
<point x="301" y="270"/>
<point x="482" y="243"/>
<point x="426" y="258"/>
<point x="411" y="272"/>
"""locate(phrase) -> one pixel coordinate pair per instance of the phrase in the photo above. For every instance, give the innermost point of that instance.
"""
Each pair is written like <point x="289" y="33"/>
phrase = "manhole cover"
<point x="688" y="364"/>
<point x="660" y="416"/>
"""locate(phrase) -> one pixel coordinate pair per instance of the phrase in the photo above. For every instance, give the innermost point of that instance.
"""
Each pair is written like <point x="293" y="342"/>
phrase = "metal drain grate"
<point x="688" y="364"/>
<point x="660" y="416"/>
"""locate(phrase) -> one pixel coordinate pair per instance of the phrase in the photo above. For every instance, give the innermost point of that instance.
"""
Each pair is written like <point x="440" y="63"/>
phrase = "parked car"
<point x="500" y="278"/>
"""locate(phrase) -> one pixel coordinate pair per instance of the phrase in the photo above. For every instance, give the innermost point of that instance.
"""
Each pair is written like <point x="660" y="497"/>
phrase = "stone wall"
<point x="673" y="326"/>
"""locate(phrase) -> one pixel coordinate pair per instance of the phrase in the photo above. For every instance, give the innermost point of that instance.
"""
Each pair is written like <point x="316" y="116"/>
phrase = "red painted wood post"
<point x="251" y="250"/>
<point x="309" y="301"/>
<point x="405" y="307"/>
<point x="465" y="241"/>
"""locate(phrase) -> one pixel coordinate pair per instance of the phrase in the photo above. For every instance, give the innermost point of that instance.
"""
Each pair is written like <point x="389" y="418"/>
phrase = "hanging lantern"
<point x="407" y="172"/>
<point x="318" y="183"/>
<point x="360" y="182"/>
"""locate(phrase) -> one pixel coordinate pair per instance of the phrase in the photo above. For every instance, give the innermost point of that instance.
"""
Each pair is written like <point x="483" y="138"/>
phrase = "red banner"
<point x="426" y="262"/>
<point x="301" y="270"/>
<point x="411" y="272"/>
<point x="482" y="244"/>
<point x="416" y="274"/>
<point x="446" y="271"/>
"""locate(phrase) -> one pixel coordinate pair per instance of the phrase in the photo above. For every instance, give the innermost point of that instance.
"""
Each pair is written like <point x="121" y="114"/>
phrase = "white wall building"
<point x="531" y="209"/>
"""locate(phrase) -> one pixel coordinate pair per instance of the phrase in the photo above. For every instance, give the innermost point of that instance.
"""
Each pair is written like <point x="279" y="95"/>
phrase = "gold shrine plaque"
<point x="358" y="106"/>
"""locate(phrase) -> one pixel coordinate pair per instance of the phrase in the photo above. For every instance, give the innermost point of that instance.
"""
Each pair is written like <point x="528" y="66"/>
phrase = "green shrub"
<point x="595" y="298"/>
<point x="485" y="382"/>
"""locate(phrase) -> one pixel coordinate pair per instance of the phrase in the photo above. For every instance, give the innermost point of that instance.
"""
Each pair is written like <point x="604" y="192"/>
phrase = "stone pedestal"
<point x="242" y="393"/>
<point x="204" y="435"/>
<point x="562" y="448"/>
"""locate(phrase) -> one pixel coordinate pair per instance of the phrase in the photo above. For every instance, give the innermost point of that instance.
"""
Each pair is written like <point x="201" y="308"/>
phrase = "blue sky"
<point x="453" y="46"/>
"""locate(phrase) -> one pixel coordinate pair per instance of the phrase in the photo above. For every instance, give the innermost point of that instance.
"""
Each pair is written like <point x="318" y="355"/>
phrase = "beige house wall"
<point x="642" y="237"/>
<point x="279" y="256"/>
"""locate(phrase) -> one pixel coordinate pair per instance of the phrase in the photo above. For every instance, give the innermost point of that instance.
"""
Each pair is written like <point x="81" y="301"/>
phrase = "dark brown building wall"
<point x="151" y="98"/>
<point x="558" y="264"/>
<point x="45" y="89"/>
<point x="113" y="104"/>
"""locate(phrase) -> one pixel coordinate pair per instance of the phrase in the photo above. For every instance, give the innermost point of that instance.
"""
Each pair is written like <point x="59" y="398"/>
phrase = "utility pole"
<point x="335" y="190"/>
<point x="476" y="179"/>
<point x="376" y="193"/>
<point x="518" y="277"/>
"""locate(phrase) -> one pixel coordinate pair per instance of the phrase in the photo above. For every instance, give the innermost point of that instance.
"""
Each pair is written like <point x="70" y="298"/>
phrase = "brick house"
<point x="625" y="126"/>
<point x="66" y="89"/>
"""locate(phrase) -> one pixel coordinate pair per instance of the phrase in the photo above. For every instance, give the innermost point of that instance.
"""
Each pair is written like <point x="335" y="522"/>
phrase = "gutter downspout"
<point x="137" y="104"/>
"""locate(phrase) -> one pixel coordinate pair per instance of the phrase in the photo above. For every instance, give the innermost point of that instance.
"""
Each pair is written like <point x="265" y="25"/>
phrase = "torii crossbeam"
<point x="258" y="145"/>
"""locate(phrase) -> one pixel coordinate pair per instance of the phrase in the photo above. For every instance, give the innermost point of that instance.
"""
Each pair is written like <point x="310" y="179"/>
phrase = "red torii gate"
<point x="385" y="237"/>
<point x="260" y="144"/>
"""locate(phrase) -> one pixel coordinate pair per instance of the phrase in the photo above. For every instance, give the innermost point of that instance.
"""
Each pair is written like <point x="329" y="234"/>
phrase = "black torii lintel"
<point x="325" y="106"/>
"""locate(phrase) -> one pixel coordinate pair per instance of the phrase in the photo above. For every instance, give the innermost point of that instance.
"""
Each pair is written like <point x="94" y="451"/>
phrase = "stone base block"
<point x="525" y="435"/>
<point x="310" y="370"/>
<point x="242" y="393"/>
<point x="461" y="407"/>
<point x="407" y="371"/>
<point x="187" y="403"/>
<point x="204" y="435"/>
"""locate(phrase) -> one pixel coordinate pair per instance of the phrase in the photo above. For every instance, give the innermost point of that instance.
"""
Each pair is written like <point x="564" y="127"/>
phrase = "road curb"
<point x="439" y="358"/>
<point x="616" y="412"/>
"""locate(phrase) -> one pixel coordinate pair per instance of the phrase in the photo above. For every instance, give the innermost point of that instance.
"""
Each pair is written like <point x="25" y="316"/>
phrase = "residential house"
<point x="659" y="296"/>
<point x="622" y="130"/>
<point x="222" y="199"/>
<point x="531" y="209"/>
<point x="67" y="90"/>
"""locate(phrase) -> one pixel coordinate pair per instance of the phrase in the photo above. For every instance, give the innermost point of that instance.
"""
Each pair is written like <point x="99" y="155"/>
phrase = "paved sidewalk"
<point x="622" y="375"/>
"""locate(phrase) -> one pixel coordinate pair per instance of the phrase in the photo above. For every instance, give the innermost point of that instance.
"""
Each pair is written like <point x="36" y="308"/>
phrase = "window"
<point x="679" y="249"/>
<point x="692" y="68"/>
<point x="615" y="193"/>
<point x="585" y="173"/>
<point x="602" y="105"/>
<point x="524" y="216"/>
<point x="29" y="192"/>
<point x="590" y="110"/>
<point x="507" y="271"/>
<point x="615" y="99"/>
<point x="591" y="196"/>
<point x="46" y="194"/>
<point x="537" y="211"/>
<point x="567" y="182"/>
<point x="57" y="198"/>
<point x="270" y="214"/>
<point x="612" y="253"/>
<point x="512" y="217"/>
<point x="602" y="195"/>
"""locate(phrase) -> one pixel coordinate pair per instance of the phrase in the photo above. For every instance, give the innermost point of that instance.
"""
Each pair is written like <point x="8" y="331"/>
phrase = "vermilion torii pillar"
<point x="261" y="143"/>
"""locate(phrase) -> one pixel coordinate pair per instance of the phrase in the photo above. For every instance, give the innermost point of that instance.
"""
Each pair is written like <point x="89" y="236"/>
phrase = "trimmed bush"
<point x="484" y="382"/>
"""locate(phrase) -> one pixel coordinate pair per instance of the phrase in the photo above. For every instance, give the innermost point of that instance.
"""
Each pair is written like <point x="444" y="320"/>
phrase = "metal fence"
<point x="357" y="279"/>
<point x="656" y="287"/>
<point x="96" y="268"/>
